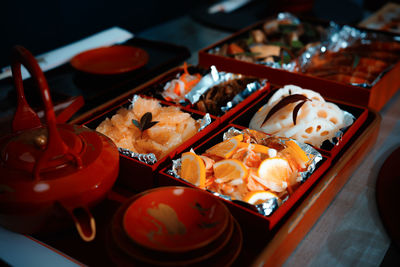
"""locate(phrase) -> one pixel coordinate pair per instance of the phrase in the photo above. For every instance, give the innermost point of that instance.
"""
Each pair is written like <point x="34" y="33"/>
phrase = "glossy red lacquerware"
<point x="125" y="252"/>
<point x="47" y="169"/>
<point x="175" y="219"/>
<point x="110" y="60"/>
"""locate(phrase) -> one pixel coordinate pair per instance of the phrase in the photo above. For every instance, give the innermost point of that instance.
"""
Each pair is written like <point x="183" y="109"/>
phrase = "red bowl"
<point x="175" y="219"/>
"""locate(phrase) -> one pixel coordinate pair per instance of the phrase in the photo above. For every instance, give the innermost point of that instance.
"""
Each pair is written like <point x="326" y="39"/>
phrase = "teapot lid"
<point x="21" y="152"/>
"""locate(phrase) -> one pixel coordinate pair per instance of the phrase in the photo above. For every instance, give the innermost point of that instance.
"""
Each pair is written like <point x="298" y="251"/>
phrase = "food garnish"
<point x="277" y="41"/>
<point x="274" y="173"/>
<point x="301" y="114"/>
<point x="133" y="129"/>
<point x="229" y="170"/>
<point x="145" y="122"/>
<point x="193" y="169"/>
<point x="224" y="149"/>
<point x="286" y="101"/>
<point x="176" y="89"/>
<point x="258" y="197"/>
<point x="244" y="168"/>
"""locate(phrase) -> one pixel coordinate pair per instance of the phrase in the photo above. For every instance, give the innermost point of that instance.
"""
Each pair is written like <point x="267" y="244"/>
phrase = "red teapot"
<point x="51" y="168"/>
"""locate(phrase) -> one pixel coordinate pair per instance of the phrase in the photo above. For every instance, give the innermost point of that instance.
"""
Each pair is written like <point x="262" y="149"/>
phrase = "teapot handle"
<point x="84" y="222"/>
<point x="25" y="118"/>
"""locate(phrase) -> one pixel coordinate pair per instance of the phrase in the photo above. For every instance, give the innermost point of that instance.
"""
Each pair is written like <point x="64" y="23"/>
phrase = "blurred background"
<point x="44" y="25"/>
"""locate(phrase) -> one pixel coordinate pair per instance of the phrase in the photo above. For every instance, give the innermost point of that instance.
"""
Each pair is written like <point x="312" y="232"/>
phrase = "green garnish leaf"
<point x="297" y="44"/>
<point x="145" y="122"/>
<point x="250" y="40"/>
<point x="250" y="54"/>
<point x="287" y="28"/>
<point x="137" y="124"/>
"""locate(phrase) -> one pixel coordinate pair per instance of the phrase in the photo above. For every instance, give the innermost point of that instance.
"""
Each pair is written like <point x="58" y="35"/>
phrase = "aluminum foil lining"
<point x="151" y="158"/>
<point x="340" y="37"/>
<point x="348" y="119"/>
<point x="268" y="207"/>
<point x="207" y="81"/>
<point x="146" y="158"/>
<point x="290" y="66"/>
<point x="288" y="16"/>
<point x="213" y="78"/>
<point x="250" y="88"/>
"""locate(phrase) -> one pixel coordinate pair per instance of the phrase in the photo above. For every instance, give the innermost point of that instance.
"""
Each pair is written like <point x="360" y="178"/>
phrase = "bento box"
<point x="267" y="238"/>
<point x="258" y="226"/>
<point x="326" y="57"/>
<point x="359" y="113"/>
<point x="164" y="96"/>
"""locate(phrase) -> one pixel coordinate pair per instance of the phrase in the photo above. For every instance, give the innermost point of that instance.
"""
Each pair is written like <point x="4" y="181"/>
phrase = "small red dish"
<point x="175" y="219"/>
<point x="110" y="60"/>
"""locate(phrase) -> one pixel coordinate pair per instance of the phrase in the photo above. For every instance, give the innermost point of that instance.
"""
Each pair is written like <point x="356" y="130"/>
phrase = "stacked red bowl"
<point x="174" y="226"/>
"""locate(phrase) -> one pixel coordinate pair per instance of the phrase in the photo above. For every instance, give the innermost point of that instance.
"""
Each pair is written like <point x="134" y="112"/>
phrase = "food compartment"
<point x="357" y="114"/>
<point x="343" y="59"/>
<point x="176" y="126"/>
<point x="256" y="219"/>
<point x="207" y="90"/>
<point x="276" y="42"/>
<point x="260" y="245"/>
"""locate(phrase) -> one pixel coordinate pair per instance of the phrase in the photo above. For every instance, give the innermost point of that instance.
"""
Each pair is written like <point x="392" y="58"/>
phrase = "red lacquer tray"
<point x="360" y="115"/>
<point x="135" y="173"/>
<point x="144" y="173"/>
<point x="266" y="239"/>
<point x="374" y="97"/>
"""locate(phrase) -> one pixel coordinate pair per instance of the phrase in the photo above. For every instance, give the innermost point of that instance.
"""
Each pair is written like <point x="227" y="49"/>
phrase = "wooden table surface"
<point x="350" y="231"/>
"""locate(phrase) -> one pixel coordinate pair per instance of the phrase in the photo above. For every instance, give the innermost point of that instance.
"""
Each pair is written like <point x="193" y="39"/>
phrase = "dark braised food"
<point x="219" y="95"/>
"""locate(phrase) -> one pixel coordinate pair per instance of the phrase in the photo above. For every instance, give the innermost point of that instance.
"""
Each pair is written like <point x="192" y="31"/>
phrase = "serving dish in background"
<point x="68" y="83"/>
<point x="384" y="19"/>
<point x="110" y="60"/>
<point x="375" y="96"/>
